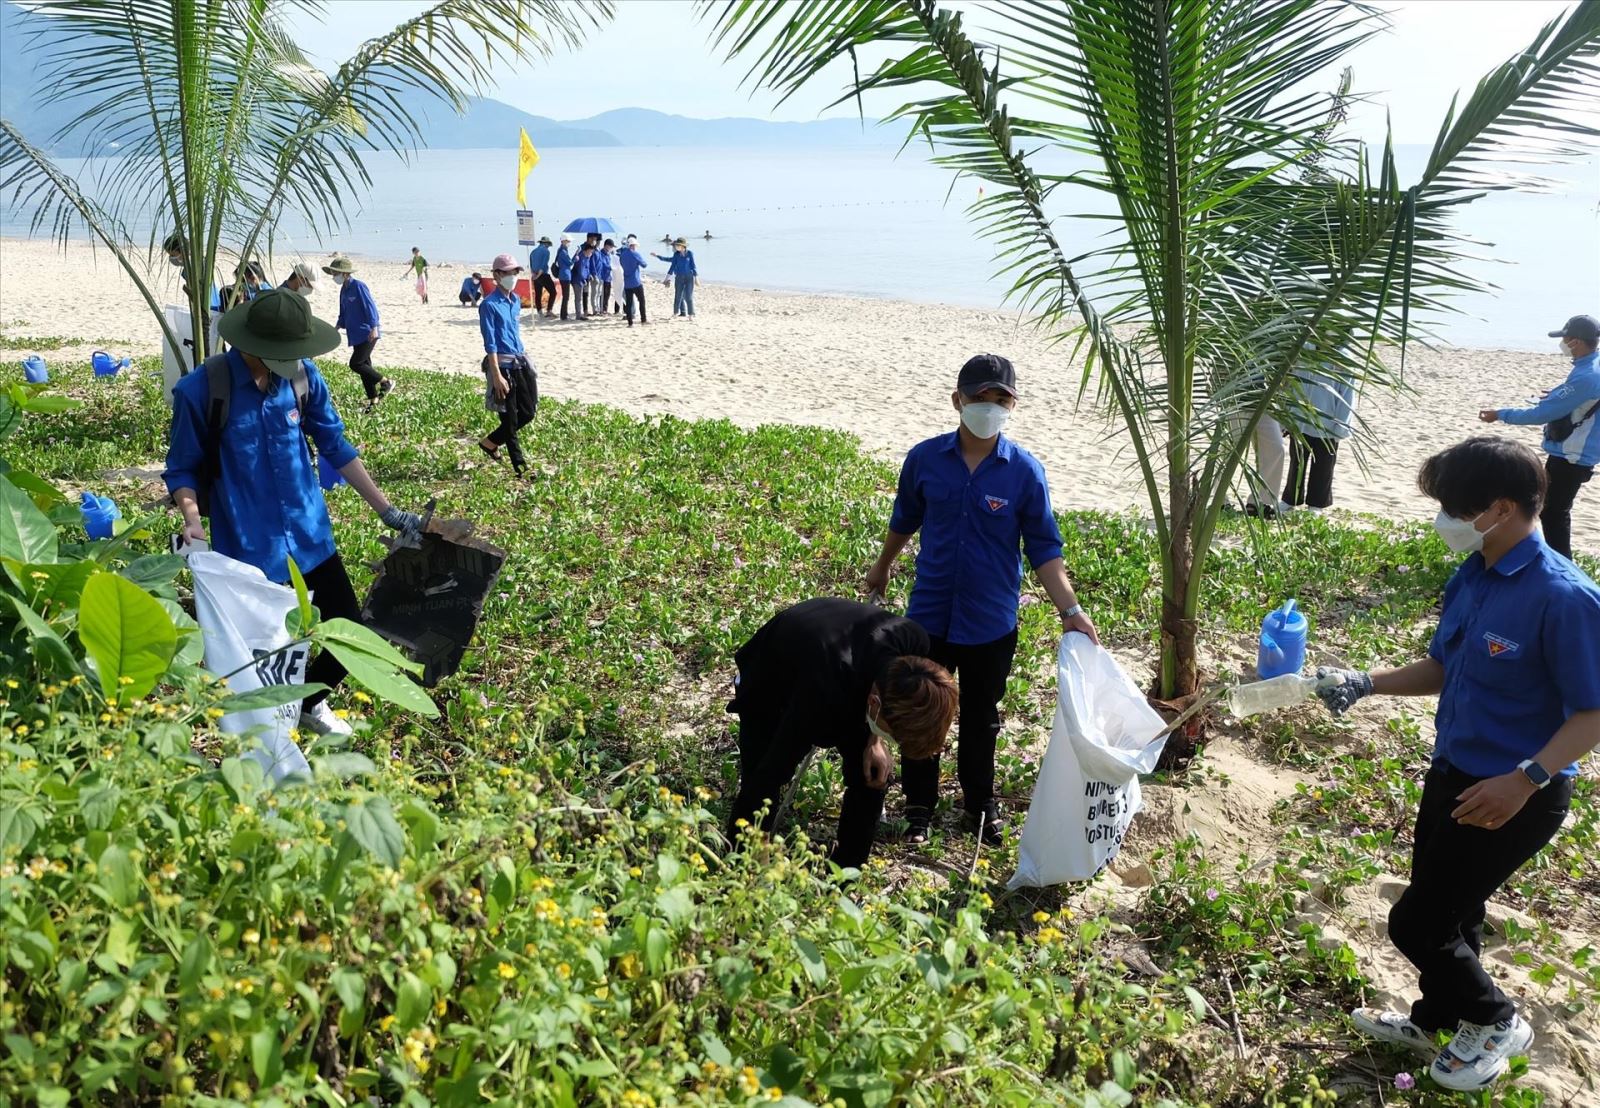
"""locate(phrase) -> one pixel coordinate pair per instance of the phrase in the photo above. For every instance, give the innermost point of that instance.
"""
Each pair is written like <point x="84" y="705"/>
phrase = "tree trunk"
<point x="1179" y="680"/>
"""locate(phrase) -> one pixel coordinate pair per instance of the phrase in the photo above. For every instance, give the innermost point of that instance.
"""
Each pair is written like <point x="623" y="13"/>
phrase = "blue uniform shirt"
<point x="358" y="314"/>
<point x="539" y="258"/>
<point x="1520" y="645"/>
<point x="602" y="262"/>
<point x="499" y="322"/>
<point x="582" y="268"/>
<point x="679" y="265"/>
<point x="631" y="262"/>
<point x="470" y="286"/>
<point x="563" y="264"/>
<point x="969" y="574"/>
<point x="1574" y="397"/>
<point x="266" y="505"/>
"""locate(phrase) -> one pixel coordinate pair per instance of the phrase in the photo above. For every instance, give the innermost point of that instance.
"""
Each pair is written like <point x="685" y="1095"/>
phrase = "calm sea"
<point x="863" y="221"/>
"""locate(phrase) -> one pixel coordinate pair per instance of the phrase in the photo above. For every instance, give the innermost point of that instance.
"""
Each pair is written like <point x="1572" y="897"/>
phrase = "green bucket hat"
<point x="277" y="324"/>
<point x="340" y="265"/>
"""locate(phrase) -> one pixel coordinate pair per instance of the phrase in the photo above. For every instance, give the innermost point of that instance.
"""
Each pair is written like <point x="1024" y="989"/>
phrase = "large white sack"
<point x="1104" y="737"/>
<point x="241" y="616"/>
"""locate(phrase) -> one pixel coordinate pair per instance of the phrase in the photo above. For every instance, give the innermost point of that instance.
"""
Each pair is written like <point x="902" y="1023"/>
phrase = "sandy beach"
<point x="880" y="369"/>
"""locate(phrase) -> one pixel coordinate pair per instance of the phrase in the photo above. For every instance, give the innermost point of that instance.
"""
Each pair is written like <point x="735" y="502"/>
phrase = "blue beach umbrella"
<point x="592" y="225"/>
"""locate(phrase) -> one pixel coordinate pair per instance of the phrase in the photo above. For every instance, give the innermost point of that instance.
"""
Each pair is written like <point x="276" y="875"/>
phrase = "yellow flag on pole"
<point x="526" y="160"/>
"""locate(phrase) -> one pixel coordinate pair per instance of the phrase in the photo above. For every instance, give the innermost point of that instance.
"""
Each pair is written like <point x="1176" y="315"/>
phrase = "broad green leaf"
<point x="594" y="1067"/>
<point x="43" y="493"/>
<point x="154" y="572"/>
<point x="118" y="877"/>
<point x="351" y="989"/>
<point x="383" y="680"/>
<point x="347" y="764"/>
<point x="421" y="823"/>
<point x="244" y="777"/>
<point x="676" y="905"/>
<point x="50" y="646"/>
<point x="99" y="805"/>
<point x="302" y="598"/>
<point x="196" y="961"/>
<point x="128" y="635"/>
<point x="50" y="405"/>
<point x="412" y="1002"/>
<point x="191" y="643"/>
<point x="26" y="533"/>
<point x="266" y="1056"/>
<point x="373" y="825"/>
<point x="18" y="825"/>
<point x="357" y="637"/>
<point x="49" y="584"/>
<point x="655" y="950"/>
<point x="786" y="1068"/>
<point x="811" y="960"/>
<point x="267" y="696"/>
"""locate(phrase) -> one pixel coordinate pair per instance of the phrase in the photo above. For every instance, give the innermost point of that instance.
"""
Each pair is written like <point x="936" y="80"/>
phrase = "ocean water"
<point x="864" y="221"/>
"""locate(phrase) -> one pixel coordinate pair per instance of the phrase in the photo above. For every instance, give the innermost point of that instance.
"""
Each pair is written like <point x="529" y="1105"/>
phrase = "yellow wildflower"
<point x="749" y="1083"/>
<point x="506" y="970"/>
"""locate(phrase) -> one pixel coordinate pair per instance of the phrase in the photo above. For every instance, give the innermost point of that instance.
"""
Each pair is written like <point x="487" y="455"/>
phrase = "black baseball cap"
<point x="987" y="371"/>
<point x="1579" y="327"/>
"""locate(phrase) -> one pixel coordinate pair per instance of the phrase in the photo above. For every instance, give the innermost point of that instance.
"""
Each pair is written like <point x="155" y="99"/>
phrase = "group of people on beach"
<point x="593" y="279"/>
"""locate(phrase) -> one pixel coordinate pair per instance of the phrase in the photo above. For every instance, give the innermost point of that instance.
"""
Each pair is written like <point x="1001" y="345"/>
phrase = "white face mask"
<point x="872" y="725"/>
<point x="340" y="278"/>
<point x="1461" y="535"/>
<point x="984" y="419"/>
<point x="283" y="367"/>
<point x="507" y="281"/>
<point x="175" y="261"/>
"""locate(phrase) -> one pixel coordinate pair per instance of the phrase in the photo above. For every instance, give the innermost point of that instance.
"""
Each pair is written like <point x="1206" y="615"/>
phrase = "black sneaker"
<point x="988" y="817"/>
<point x="385" y="387"/>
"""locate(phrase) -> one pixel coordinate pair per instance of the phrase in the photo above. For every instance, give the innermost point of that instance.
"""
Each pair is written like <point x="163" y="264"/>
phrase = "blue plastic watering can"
<point x="99" y="514"/>
<point x="1283" y="643"/>
<point x="105" y="365"/>
<point x="34" y="371"/>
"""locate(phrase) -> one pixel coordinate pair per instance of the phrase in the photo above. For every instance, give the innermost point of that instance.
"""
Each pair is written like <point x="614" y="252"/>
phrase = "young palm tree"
<point x="221" y="125"/>
<point x="1251" y="244"/>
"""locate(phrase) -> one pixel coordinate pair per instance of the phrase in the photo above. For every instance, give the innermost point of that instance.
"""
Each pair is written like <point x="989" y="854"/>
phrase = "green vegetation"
<point x="526" y="900"/>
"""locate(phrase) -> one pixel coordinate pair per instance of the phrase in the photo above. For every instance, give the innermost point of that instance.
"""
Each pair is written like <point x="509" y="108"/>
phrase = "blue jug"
<point x="105" y="365"/>
<point x="98" y="514"/>
<point x="327" y="476"/>
<point x="34" y="370"/>
<point x="1283" y="643"/>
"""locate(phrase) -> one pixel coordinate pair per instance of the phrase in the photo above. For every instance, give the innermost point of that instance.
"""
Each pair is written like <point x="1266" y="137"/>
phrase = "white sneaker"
<point x="320" y="720"/>
<point x="1391" y="1027"/>
<point x="1480" y="1054"/>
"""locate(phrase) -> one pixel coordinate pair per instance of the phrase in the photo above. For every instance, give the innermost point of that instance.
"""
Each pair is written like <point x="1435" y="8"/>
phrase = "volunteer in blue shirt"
<point x="603" y="262"/>
<point x="582" y="271"/>
<point x="1515" y="663"/>
<point x="632" y="263"/>
<point x="358" y="319"/>
<point x="684" y="274"/>
<point x="511" y="386"/>
<point x="544" y="287"/>
<point x="1571" y="415"/>
<point x="266" y="505"/>
<point x="977" y="497"/>
<point x="471" y="290"/>
<point x="563" y="265"/>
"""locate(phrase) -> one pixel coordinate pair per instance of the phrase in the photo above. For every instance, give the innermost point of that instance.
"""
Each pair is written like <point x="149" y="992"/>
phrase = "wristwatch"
<point x="1075" y="610"/>
<point x="1534" y="772"/>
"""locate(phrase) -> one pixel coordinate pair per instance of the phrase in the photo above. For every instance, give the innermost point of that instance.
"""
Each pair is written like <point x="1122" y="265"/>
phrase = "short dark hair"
<point x="1470" y="476"/>
<point x="608" y="242"/>
<point x="919" y="704"/>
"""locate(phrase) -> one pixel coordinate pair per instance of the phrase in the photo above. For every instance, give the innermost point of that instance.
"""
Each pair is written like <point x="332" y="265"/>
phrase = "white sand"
<point x="882" y="369"/>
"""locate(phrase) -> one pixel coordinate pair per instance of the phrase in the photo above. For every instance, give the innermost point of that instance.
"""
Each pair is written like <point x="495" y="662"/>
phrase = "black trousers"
<point x="1438" y="921"/>
<point x="981" y="672"/>
<point x="628" y="297"/>
<point x="521" y="404"/>
<point x="1311" y="472"/>
<point x="605" y="298"/>
<point x="335" y="598"/>
<point x="767" y="763"/>
<point x="469" y="298"/>
<point x="566" y="294"/>
<point x="361" y="362"/>
<point x="1556" y="519"/>
<point x="544" y="293"/>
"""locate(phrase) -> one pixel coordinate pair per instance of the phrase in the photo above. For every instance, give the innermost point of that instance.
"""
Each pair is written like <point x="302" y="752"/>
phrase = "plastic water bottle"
<point x="1283" y="643"/>
<point x="34" y="371"/>
<point x="1284" y="691"/>
<point x="99" y="513"/>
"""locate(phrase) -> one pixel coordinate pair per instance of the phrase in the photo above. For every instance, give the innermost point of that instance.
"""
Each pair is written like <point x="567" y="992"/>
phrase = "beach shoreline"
<point x="882" y="369"/>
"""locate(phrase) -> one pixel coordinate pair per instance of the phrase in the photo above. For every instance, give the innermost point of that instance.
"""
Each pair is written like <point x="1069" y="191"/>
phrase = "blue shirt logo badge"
<point x="294" y="417"/>
<point x="1499" y="646"/>
<point x="996" y="503"/>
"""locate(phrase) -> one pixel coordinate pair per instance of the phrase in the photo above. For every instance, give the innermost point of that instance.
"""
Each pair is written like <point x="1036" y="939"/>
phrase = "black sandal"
<point x="494" y="455"/>
<point x="919" y="824"/>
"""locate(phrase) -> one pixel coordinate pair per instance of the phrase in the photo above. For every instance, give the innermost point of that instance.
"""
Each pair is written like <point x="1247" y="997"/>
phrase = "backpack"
<point x="219" y="393"/>
<point x="1560" y="430"/>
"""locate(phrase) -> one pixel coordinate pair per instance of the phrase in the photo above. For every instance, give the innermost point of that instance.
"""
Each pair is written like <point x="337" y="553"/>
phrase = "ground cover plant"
<point x="527" y="901"/>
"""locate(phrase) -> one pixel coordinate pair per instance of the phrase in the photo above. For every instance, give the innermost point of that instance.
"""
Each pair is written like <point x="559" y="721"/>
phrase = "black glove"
<point x="1339" y="689"/>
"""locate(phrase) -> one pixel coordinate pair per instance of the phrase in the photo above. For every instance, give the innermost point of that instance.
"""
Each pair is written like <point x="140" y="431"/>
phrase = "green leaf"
<point x="99" y="805"/>
<point x="383" y="680"/>
<point x="594" y="1067"/>
<point x="421" y="823"/>
<point x="154" y="572"/>
<point x="196" y="961"/>
<point x="244" y="777"/>
<point x="676" y="905"/>
<point x="26" y="533"/>
<point x="191" y="643"/>
<point x="811" y="961"/>
<point x="18" y="825"/>
<point x="267" y="696"/>
<point x="302" y="597"/>
<point x="655" y="950"/>
<point x="127" y="634"/>
<point x="53" y="1096"/>
<point x="50" y="646"/>
<point x="373" y="825"/>
<point x="356" y="637"/>
<point x="351" y="989"/>
<point x="786" y="1068"/>
<point x="266" y="1056"/>
<point x="42" y="492"/>
<point x="346" y="764"/>
<point x="50" y="405"/>
<point x="118" y="877"/>
<point x="47" y="584"/>
<point x="412" y="1002"/>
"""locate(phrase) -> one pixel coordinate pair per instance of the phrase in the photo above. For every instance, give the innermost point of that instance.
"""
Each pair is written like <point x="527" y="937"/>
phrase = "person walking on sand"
<point x="544" y="287"/>
<point x="835" y="673"/>
<point x="472" y="290"/>
<point x="256" y="473"/>
<point x="977" y="497"/>
<point x="1571" y="417"/>
<point x="563" y="266"/>
<point x="1324" y="419"/>
<point x="1515" y="663"/>
<point x="603" y="260"/>
<point x="511" y="385"/>
<point x="418" y="265"/>
<point x="681" y="268"/>
<point x="633" y="265"/>
<point x="358" y="319"/>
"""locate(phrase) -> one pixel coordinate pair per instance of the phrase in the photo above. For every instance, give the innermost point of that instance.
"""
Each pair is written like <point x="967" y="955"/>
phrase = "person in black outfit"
<point x="840" y="674"/>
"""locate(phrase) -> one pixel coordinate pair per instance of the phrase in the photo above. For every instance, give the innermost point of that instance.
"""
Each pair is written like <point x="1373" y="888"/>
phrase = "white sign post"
<point x="526" y="236"/>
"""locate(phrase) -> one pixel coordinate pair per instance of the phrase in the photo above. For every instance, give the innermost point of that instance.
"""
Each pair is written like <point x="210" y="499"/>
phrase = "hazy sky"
<point x="656" y="54"/>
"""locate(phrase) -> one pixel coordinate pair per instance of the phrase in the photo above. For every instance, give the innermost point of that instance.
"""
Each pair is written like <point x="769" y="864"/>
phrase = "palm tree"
<point x="1252" y="245"/>
<point x="222" y="125"/>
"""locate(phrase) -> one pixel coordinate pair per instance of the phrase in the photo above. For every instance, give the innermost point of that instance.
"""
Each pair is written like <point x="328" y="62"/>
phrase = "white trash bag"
<point x="1088" y="789"/>
<point x="241" y="616"/>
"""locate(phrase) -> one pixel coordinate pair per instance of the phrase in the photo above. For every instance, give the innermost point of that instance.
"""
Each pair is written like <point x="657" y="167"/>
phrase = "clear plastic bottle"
<point x="1283" y="691"/>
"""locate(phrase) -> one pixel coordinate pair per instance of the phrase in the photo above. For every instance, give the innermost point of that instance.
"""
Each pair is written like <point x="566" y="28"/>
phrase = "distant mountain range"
<point x="486" y="124"/>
